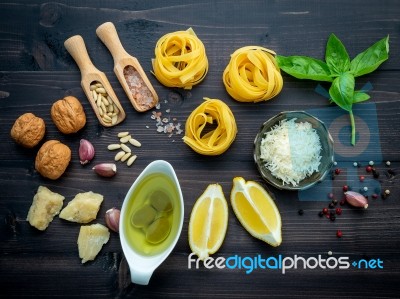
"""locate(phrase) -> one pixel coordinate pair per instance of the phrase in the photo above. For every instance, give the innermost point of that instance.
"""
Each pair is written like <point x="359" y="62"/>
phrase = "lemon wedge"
<point x="208" y="222"/>
<point x="256" y="211"/>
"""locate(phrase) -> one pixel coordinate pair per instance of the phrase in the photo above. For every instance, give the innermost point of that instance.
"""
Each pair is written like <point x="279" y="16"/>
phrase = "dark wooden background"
<point x="36" y="70"/>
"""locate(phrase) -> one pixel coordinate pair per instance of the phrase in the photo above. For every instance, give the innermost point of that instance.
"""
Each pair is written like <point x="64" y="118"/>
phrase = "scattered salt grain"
<point x="166" y="125"/>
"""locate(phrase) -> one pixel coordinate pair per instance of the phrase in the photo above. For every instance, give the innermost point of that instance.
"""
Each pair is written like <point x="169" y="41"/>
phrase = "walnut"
<point x="52" y="159"/>
<point x="68" y="115"/>
<point x="28" y="130"/>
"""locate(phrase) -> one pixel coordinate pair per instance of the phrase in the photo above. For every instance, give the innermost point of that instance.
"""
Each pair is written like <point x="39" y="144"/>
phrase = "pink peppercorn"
<point x="338" y="211"/>
<point x="362" y="178"/>
<point x="339" y="233"/>
<point x="368" y="168"/>
<point x="337" y="171"/>
<point x="345" y="188"/>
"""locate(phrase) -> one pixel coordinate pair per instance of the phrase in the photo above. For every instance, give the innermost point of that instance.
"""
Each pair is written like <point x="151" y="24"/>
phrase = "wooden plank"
<point x="36" y="70"/>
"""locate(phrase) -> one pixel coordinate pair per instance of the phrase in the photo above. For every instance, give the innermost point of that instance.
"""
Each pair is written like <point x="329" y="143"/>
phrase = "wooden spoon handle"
<point x="109" y="36"/>
<point x="76" y="47"/>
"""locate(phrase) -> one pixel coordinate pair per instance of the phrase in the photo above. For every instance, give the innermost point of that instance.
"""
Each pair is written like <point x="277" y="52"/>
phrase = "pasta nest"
<point x="180" y="59"/>
<point x="211" y="128"/>
<point x="252" y="75"/>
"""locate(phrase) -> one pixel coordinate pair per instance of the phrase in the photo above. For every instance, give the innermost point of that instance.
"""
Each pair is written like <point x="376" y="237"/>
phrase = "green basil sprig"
<point x="340" y="70"/>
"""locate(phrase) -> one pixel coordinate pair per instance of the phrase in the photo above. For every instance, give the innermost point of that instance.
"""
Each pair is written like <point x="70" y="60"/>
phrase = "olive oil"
<point x="152" y="216"/>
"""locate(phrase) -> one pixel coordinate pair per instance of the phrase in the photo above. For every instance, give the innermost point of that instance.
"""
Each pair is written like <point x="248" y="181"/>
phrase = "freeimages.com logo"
<point x="283" y="263"/>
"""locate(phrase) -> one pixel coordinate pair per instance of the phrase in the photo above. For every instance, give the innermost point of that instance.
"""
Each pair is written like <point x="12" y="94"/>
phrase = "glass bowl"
<point x="327" y="153"/>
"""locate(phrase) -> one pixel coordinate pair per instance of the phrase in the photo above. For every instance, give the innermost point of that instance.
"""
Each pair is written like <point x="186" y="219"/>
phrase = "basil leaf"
<point x="336" y="56"/>
<point x="369" y="60"/>
<point x="360" y="96"/>
<point x="302" y="67"/>
<point x="342" y="91"/>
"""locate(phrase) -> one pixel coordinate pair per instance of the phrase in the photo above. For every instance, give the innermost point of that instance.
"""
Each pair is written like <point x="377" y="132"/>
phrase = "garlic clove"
<point x="86" y="151"/>
<point x="356" y="199"/>
<point x="112" y="219"/>
<point x="105" y="169"/>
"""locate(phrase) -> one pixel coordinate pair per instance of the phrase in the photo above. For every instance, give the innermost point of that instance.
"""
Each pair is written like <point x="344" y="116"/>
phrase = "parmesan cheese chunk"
<point x="46" y="204"/>
<point x="291" y="151"/>
<point x="83" y="208"/>
<point x="90" y="241"/>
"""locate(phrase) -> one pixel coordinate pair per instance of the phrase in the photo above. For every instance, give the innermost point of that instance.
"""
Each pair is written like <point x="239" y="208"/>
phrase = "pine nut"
<point x="131" y="160"/>
<point x="119" y="155"/>
<point x="104" y="100"/>
<point x="125" y="148"/>
<point x="114" y="146"/>
<point x="94" y="94"/>
<point x="100" y="90"/>
<point x="125" y="139"/>
<point x="114" y="119"/>
<point x="122" y="134"/>
<point x="125" y="157"/>
<point x="134" y="142"/>
<point x="106" y="118"/>
<point x="103" y="106"/>
<point x="110" y="100"/>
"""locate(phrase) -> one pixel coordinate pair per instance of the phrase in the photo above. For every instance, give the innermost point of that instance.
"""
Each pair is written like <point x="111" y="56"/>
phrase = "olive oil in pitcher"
<point x="152" y="215"/>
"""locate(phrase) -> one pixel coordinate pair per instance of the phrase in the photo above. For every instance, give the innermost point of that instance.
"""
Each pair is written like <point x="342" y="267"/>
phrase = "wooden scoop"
<point x="139" y="90"/>
<point x="95" y="85"/>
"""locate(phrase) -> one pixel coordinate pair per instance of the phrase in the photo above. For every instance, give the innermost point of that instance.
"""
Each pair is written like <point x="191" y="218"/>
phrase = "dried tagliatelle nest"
<point x="211" y="128"/>
<point x="180" y="59"/>
<point x="252" y="75"/>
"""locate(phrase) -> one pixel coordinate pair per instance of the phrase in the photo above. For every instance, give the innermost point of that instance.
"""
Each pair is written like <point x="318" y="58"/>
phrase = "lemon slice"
<point x="256" y="211"/>
<point x="208" y="222"/>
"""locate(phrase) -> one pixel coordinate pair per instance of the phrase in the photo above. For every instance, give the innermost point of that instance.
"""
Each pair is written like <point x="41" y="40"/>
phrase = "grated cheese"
<point x="291" y="151"/>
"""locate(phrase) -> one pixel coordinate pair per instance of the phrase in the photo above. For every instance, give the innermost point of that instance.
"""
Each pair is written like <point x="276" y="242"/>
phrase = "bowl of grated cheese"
<point x="293" y="150"/>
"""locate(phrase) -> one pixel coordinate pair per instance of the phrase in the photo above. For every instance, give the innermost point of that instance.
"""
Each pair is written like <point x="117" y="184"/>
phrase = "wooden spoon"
<point x="108" y="102"/>
<point x="142" y="98"/>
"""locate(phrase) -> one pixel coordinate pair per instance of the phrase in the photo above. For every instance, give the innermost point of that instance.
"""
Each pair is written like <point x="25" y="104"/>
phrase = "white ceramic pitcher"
<point x="142" y="266"/>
